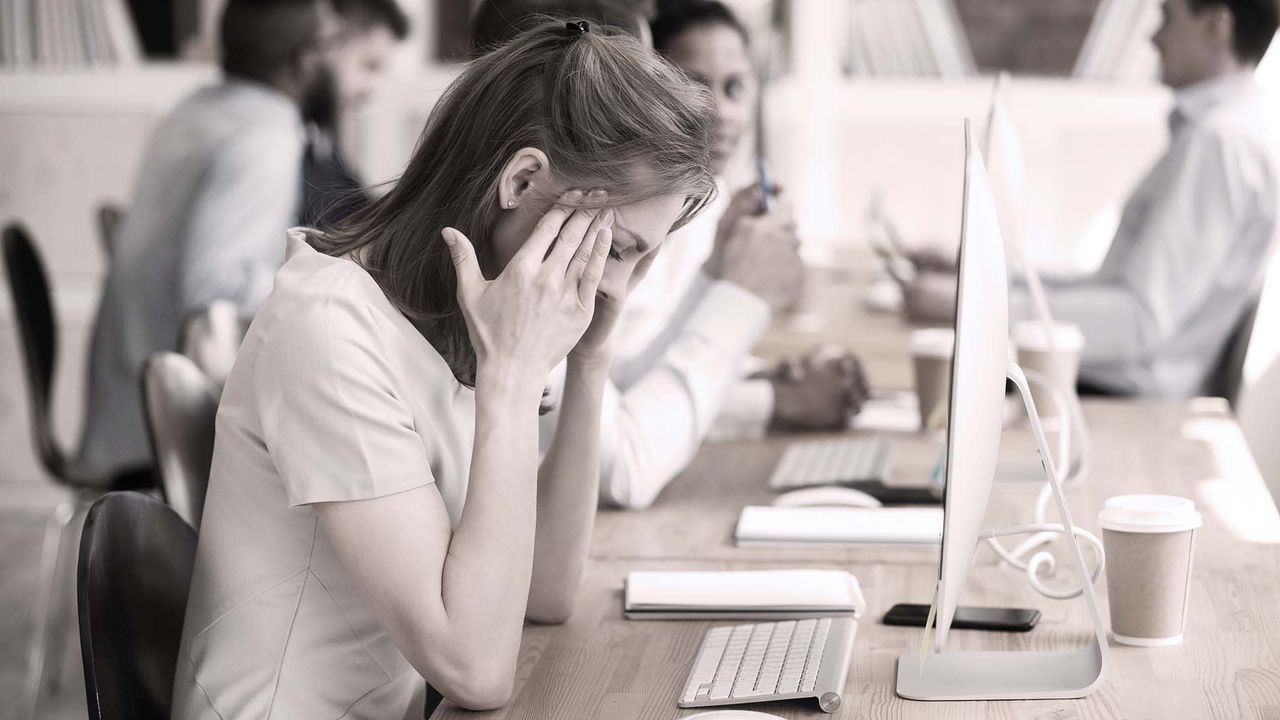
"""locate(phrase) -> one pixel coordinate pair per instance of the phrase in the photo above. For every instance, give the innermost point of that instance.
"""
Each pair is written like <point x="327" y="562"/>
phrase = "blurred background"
<point x="865" y="100"/>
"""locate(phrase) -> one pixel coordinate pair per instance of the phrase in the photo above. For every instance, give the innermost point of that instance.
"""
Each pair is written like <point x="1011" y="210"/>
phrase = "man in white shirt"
<point x="217" y="189"/>
<point x="1189" y="254"/>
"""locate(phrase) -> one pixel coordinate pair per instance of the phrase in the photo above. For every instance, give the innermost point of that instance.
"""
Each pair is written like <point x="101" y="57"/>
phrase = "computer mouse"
<point x="829" y="495"/>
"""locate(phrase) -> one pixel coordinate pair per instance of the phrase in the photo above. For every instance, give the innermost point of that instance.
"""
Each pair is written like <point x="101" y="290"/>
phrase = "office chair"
<point x="181" y="404"/>
<point x="136" y="558"/>
<point x="1229" y="374"/>
<point x="110" y="220"/>
<point x="211" y="337"/>
<point x="38" y="335"/>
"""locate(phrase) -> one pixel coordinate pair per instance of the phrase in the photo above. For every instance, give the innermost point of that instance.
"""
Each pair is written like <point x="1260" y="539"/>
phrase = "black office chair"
<point x="136" y="557"/>
<point x="1229" y="374"/>
<point x="38" y="336"/>
<point x="181" y="404"/>
<point x="110" y="219"/>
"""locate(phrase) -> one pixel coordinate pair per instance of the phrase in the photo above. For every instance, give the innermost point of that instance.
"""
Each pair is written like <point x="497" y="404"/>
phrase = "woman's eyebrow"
<point x="641" y="244"/>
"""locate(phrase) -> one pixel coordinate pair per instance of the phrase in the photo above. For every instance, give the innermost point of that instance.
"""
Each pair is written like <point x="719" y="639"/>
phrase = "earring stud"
<point x="511" y="203"/>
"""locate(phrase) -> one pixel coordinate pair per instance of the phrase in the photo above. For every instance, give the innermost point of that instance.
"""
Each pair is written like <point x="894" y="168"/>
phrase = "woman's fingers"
<point x="470" y="279"/>
<point x="548" y="227"/>
<point x="577" y="262"/>
<point x="594" y="270"/>
<point x="580" y="229"/>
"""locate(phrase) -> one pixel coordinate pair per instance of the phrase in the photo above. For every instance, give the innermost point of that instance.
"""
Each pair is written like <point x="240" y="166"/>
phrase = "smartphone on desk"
<point x="898" y="494"/>
<point x="967" y="618"/>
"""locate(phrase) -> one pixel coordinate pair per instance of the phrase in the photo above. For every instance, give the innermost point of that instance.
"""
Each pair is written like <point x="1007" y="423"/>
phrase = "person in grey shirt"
<point x="218" y="187"/>
<point x="1194" y="238"/>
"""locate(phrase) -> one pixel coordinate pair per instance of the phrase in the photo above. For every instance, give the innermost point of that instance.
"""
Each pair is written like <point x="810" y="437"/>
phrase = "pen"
<point x="766" y="187"/>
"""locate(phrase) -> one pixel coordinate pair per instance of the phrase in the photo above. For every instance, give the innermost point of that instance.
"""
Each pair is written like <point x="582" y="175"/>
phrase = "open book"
<point x="742" y="595"/>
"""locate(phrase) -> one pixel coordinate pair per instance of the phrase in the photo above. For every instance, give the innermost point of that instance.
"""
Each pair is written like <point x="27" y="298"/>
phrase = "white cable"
<point x="1042" y="558"/>
<point x="1068" y="407"/>
<point x="1014" y="556"/>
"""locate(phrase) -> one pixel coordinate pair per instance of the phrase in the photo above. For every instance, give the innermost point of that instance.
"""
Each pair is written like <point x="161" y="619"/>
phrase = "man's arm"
<point x="235" y="239"/>
<point x="1197" y="214"/>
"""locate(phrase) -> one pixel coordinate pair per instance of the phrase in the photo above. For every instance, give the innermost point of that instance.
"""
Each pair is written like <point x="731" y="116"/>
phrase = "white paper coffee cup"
<point x="931" y="350"/>
<point x="1149" y="541"/>
<point x="1057" y="361"/>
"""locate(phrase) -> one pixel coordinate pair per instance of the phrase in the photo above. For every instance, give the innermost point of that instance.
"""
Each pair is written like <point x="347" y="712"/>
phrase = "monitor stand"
<point x="1014" y="674"/>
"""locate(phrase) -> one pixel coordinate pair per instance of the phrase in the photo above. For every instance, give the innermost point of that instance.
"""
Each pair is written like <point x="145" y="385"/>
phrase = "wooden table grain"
<point x="599" y="665"/>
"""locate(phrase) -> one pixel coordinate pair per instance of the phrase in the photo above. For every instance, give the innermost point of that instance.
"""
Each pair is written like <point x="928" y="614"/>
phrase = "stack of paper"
<point x="770" y="525"/>
<point x="897" y="412"/>
<point x="746" y="595"/>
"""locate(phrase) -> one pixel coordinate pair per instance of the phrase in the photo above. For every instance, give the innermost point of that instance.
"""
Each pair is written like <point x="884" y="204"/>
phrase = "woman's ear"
<point x="526" y="175"/>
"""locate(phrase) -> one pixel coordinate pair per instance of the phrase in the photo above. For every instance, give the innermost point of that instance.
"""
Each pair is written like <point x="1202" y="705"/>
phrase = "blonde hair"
<point x="607" y="112"/>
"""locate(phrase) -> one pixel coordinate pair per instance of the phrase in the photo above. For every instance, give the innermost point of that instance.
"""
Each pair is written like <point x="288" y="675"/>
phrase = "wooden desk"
<point x="601" y="666"/>
<point x="836" y="295"/>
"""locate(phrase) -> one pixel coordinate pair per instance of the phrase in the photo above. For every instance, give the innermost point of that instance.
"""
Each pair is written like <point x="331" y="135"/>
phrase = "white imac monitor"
<point x="980" y="366"/>
<point x="978" y="369"/>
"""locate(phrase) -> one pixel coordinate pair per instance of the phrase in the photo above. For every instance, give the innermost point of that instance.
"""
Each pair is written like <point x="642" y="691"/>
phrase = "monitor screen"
<point x="978" y="370"/>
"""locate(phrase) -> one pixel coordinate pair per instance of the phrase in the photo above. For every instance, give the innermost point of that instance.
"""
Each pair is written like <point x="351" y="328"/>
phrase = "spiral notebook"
<point x="742" y="595"/>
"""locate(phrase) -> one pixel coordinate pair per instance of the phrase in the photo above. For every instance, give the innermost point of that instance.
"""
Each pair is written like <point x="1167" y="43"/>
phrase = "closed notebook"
<point x="746" y="595"/>
<point x="770" y="525"/>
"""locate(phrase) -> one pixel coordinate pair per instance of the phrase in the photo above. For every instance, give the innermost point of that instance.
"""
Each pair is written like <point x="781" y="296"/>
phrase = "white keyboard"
<point x="831" y="462"/>
<point x="761" y="662"/>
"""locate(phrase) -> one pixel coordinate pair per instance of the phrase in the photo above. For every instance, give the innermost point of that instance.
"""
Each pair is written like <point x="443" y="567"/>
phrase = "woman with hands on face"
<point x="377" y="513"/>
<point x="684" y="338"/>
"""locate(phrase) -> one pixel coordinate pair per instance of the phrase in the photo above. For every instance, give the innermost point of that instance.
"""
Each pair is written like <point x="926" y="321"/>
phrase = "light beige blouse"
<point x="334" y="397"/>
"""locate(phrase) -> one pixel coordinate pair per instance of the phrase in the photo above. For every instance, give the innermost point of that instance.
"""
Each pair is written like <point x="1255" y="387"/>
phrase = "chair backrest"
<point x="38" y="336"/>
<point x="1229" y="373"/>
<point x="1259" y="416"/>
<point x="136" y="557"/>
<point x="181" y="405"/>
<point x="211" y="337"/>
<point x="110" y="218"/>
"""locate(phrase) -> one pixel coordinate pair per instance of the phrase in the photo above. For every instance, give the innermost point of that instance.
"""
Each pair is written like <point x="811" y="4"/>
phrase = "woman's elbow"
<point x="480" y="691"/>
<point x="483" y="698"/>
<point x="474" y="679"/>
<point x="622" y="492"/>
<point x="550" y="612"/>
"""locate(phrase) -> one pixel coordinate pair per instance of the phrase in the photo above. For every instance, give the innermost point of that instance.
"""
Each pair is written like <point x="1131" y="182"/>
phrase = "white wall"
<point x="69" y="142"/>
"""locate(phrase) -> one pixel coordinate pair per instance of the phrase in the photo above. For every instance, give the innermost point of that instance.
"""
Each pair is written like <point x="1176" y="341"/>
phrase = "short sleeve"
<point x="332" y="413"/>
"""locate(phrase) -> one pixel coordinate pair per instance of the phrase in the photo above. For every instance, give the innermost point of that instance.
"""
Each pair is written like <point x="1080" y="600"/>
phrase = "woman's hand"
<point x="530" y="316"/>
<point x="594" y="347"/>
<point x="821" y="391"/>
<point x="758" y="251"/>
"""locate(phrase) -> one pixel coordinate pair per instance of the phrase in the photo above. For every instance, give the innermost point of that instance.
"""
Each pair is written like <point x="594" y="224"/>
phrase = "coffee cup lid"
<point x="933" y="342"/>
<point x="1031" y="334"/>
<point x="1149" y="514"/>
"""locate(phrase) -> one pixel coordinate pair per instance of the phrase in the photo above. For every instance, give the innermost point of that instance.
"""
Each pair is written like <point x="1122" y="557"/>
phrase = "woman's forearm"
<point x="568" y="483"/>
<point x="486" y="574"/>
